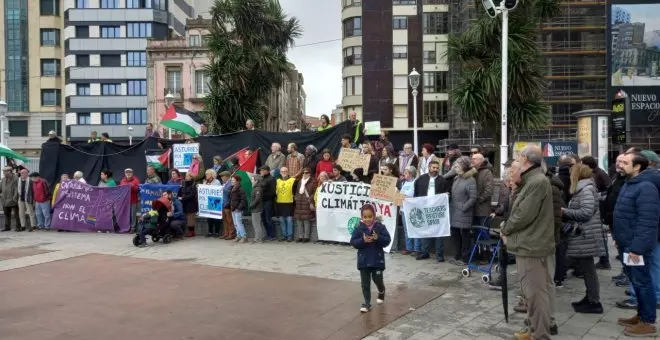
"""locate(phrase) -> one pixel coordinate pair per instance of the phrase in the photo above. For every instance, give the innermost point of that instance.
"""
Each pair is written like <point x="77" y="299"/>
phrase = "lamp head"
<point x="3" y="107"/>
<point x="169" y="99"/>
<point x="489" y="6"/>
<point x="413" y="77"/>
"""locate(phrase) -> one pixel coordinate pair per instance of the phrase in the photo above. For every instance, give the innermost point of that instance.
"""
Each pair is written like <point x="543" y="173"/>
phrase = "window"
<point x="82" y="3"/>
<point x="353" y="86"/>
<point x="430" y="57"/>
<point x="201" y="82"/>
<point x="49" y="7"/>
<point x="51" y="125"/>
<point x="138" y="30"/>
<point x="138" y="3"/>
<point x="137" y="87"/>
<point x="111" y="118"/>
<point x="436" y="2"/>
<point x="111" y="60"/>
<point x="400" y="51"/>
<point x="435" y="82"/>
<point x="404" y="2"/>
<point x="50" y="97"/>
<point x="399" y="22"/>
<point x="136" y="59"/>
<point x="352" y="27"/>
<point x="84" y="90"/>
<point x="435" y="23"/>
<point x="160" y="4"/>
<point x="400" y="82"/>
<point x="173" y="80"/>
<point x="50" y="37"/>
<point x="110" y="32"/>
<point x="109" y="3"/>
<point x="18" y="128"/>
<point x="50" y="67"/>
<point x="350" y="3"/>
<point x="111" y="89"/>
<point x="82" y="31"/>
<point x="194" y="40"/>
<point x="435" y="112"/>
<point x="353" y="56"/>
<point x="137" y="116"/>
<point x="82" y="60"/>
<point x="84" y="118"/>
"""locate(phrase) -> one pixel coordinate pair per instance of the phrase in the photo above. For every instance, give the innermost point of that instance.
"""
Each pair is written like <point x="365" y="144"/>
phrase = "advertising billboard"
<point x="634" y="57"/>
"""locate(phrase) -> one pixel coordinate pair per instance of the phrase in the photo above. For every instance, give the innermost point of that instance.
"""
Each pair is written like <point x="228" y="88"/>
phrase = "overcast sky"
<point x="320" y="64"/>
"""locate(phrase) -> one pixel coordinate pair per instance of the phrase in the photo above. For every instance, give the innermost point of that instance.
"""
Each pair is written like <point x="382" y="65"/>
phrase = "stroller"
<point x="487" y="239"/>
<point x="155" y="224"/>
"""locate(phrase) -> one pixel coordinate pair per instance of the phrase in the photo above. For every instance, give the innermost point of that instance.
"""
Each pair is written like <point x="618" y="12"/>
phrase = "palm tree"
<point x="248" y="42"/>
<point x="477" y="50"/>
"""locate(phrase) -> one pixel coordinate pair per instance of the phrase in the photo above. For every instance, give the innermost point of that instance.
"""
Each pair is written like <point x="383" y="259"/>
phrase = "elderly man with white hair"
<point x="529" y="233"/>
<point x="276" y="159"/>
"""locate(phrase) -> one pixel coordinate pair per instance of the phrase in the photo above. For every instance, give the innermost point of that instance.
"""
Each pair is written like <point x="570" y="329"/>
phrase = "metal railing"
<point x="574" y="45"/>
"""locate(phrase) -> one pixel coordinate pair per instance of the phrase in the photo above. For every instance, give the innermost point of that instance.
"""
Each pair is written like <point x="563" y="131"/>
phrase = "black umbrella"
<point x="503" y="262"/>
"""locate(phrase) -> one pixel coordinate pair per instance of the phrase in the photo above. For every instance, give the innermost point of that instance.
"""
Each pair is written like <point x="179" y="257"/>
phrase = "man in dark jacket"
<point x="636" y="216"/>
<point x="269" y="194"/>
<point x="427" y="185"/>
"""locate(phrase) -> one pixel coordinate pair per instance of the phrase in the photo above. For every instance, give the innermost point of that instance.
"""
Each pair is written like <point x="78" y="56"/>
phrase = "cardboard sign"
<point x="384" y="188"/>
<point x="351" y="159"/>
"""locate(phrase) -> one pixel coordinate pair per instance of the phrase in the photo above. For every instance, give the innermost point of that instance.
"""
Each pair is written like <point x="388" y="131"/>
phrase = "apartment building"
<point x="287" y="103"/>
<point x="383" y="40"/>
<point x="31" y="79"/>
<point x="105" y="61"/>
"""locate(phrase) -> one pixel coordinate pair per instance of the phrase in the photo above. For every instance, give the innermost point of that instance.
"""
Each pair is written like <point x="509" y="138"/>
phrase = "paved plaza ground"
<point x="98" y="286"/>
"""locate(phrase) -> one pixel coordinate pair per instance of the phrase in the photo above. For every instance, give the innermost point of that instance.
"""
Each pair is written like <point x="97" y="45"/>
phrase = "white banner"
<point x="427" y="216"/>
<point x="603" y="143"/>
<point x="182" y="155"/>
<point x="338" y="211"/>
<point x="209" y="198"/>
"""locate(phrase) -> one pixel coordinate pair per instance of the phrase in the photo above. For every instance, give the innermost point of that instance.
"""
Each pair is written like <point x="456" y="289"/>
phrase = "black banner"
<point x="619" y="121"/>
<point x="57" y="159"/>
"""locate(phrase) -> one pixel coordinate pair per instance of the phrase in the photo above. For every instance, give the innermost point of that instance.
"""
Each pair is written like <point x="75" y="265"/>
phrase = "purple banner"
<point x="82" y="207"/>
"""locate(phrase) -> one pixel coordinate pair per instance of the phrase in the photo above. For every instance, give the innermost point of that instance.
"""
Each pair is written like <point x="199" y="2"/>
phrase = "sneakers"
<point x="627" y="304"/>
<point x="641" y="329"/>
<point x="618" y="277"/>
<point x="584" y="301"/>
<point x="628" y="292"/>
<point x="589" y="308"/>
<point x="495" y="285"/>
<point x="623" y="282"/>
<point x="381" y="298"/>
<point x="559" y="284"/>
<point x="365" y="308"/>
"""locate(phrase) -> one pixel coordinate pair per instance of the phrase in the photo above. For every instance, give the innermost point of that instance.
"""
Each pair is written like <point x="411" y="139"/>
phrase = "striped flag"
<point x="159" y="159"/>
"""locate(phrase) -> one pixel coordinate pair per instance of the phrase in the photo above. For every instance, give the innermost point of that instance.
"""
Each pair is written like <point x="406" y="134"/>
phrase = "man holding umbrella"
<point x="529" y="233"/>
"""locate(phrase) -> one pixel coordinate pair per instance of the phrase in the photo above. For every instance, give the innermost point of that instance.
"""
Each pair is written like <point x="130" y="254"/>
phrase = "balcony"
<point x="119" y="15"/>
<point x="106" y="44"/>
<point x="106" y="73"/>
<point x="175" y="44"/>
<point x="577" y="71"/>
<point x="105" y="103"/>
<point x="594" y="46"/>
<point x="116" y="132"/>
<point x="176" y="92"/>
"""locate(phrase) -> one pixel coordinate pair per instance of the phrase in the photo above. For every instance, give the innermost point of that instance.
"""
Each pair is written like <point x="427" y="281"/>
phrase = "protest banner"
<point x="338" y="211"/>
<point x="183" y="155"/>
<point x="351" y="159"/>
<point x="151" y="192"/>
<point x="384" y="188"/>
<point x="209" y="199"/>
<point x="427" y="216"/>
<point x="372" y="128"/>
<point x="82" y="207"/>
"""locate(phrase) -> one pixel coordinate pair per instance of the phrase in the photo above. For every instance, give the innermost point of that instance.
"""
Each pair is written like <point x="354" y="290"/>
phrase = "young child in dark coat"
<point x="369" y="238"/>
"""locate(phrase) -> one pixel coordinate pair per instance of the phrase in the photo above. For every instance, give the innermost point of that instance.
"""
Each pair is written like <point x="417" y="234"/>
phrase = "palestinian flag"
<point x="245" y="170"/>
<point x="158" y="158"/>
<point x="180" y="119"/>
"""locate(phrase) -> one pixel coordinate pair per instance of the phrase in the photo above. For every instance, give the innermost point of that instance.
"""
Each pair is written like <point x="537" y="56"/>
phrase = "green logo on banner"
<point x="417" y="218"/>
<point x="353" y="223"/>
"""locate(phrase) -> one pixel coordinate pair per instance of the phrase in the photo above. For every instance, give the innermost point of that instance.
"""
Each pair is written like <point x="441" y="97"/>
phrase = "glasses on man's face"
<point x="306" y="172"/>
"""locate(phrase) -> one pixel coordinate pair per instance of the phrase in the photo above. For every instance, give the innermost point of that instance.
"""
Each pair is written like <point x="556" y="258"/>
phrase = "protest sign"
<point x="372" y="128"/>
<point x="384" y="188"/>
<point x="351" y="159"/>
<point x="209" y="199"/>
<point x="427" y="216"/>
<point x="151" y="192"/>
<point x="183" y="155"/>
<point x="338" y="210"/>
<point x="82" y="207"/>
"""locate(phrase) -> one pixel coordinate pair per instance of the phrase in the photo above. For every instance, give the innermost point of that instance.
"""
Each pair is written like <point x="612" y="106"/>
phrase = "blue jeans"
<point x="267" y="216"/>
<point x="412" y="244"/>
<point x="644" y="288"/>
<point x="237" y="216"/>
<point x="286" y="224"/>
<point x="439" y="246"/>
<point x="43" y="214"/>
<point x="655" y="275"/>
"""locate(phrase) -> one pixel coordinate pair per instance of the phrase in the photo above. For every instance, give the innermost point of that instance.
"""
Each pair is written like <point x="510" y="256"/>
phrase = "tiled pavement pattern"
<point x="466" y="309"/>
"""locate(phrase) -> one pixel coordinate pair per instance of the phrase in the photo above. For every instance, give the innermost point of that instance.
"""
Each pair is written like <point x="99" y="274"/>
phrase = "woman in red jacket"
<point x="325" y="164"/>
<point x="134" y="182"/>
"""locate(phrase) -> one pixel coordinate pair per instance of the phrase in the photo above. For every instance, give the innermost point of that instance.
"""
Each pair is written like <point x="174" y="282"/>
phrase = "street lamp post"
<point x="169" y="100"/>
<point x="3" y="116"/>
<point x="130" y="135"/>
<point x="504" y="7"/>
<point x="413" y="77"/>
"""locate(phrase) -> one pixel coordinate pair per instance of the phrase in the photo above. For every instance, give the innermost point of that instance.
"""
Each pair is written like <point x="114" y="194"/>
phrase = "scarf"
<point x="303" y="183"/>
<point x="194" y="168"/>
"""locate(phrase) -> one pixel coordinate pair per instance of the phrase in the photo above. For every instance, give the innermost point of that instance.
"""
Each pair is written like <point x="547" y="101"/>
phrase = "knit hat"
<point x="651" y="156"/>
